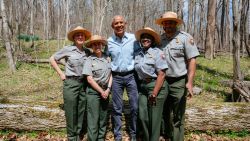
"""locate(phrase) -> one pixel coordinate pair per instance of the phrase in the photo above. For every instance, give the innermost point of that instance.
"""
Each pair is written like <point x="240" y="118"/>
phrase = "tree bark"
<point x="223" y="116"/>
<point x="190" y="16"/>
<point x="7" y="38"/>
<point x="236" y="41"/>
<point x="209" y="45"/>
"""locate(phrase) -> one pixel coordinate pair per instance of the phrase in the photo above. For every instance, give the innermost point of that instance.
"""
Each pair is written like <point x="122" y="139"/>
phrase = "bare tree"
<point x="7" y="38"/>
<point x="209" y="43"/>
<point x="243" y="28"/>
<point x="236" y="40"/>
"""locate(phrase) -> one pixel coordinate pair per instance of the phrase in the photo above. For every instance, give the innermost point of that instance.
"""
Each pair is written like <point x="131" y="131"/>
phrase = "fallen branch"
<point x="229" y="83"/>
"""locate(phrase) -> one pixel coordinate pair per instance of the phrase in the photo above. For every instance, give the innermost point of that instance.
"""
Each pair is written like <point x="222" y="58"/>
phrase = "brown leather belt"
<point x="173" y="79"/>
<point x="148" y="80"/>
<point x="123" y="73"/>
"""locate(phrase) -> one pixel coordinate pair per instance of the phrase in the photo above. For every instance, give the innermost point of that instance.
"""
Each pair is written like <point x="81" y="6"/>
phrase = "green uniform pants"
<point x="97" y="113"/>
<point x="150" y="115"/>
<point x="174" y="109"/>
<point x="74" y="106"/>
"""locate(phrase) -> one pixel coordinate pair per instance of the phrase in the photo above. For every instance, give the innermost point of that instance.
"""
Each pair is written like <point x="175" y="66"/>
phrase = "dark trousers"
<point x="150" y="115"/>
<point x="174" y="109"/>
<point x="74" y="106"/>
<point x="119" y="83"/>
<point x="97" y="113"/>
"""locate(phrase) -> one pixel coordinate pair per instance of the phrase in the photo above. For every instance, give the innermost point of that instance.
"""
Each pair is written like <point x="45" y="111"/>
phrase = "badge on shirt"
<point x="177" y="41"/>
<point x="150" y="56"/>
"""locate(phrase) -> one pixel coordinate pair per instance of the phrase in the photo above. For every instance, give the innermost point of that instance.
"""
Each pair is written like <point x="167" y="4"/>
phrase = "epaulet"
<point x="185" y="33"/>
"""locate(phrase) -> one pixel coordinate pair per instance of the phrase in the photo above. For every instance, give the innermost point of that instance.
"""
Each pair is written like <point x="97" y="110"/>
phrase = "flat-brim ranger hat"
<point x="94" y="39"/>
<point x="79" y="29"/>
<point x="149" y="31"/>
<point x="168" y="16"/>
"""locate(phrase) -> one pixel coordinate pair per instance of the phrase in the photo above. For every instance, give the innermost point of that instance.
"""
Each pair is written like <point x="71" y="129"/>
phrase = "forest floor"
<point x="10" y="135"/>
<point x="38" y="84"/>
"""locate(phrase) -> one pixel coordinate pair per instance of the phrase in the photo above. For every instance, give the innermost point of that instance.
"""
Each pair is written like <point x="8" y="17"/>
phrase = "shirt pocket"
<point x="137" y="59"/>
<point x="75" y="61"/>
<point x="97" y="71"/>
<point x="177" y="51"/>
<point x="149" y="65"/>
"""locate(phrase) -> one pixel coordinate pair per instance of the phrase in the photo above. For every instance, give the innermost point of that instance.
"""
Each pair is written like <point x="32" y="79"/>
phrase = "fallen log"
<point x="227" y="116"/>
<point x="43" y="61"/>
<point x="229" y="83"/>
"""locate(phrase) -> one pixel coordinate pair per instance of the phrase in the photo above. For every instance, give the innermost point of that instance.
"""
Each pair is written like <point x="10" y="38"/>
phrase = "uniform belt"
<point x="148" y="80"/>
<point x="78" y="78"/>
<point x="123" y="73"/>
<point x="173" y="79"/>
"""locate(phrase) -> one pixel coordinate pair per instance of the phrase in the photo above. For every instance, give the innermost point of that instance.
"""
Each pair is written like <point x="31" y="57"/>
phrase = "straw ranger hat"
<point x="149" y="31"/>
<point x="95" y="38"/>
<point x="78" y="29"/>
<point x="169" y="16"/>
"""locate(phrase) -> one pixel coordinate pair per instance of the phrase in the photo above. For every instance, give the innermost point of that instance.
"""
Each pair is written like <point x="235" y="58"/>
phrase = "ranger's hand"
<point x="152" y="100"/>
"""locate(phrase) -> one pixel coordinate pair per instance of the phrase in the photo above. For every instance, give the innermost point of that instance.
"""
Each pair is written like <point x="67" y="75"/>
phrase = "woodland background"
<point x="32" y="30"/>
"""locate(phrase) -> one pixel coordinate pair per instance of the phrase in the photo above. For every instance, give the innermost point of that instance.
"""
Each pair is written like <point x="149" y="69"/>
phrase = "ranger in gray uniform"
<point x="73" y="83"/>
<point x="150" y="65"/>
<point x="98" y="71"/>
<point x="181" y="52"/>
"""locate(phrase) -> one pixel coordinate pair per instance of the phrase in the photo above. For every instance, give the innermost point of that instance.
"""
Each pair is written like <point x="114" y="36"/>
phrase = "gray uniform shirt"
<point x="74" y="59"/>
<point x="149" y="62"/>
<point x="177" y="51"/>
<point x="98" y="68"/>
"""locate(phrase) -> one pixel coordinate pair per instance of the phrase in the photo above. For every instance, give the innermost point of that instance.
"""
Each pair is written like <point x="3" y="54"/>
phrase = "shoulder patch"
<point x="191" y="41"/>
<point x="162" y="56"/>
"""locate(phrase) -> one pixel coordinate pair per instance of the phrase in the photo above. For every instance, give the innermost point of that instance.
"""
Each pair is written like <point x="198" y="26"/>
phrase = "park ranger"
<point x="150" y="65"/>
<point x="73" y="83"/>
<point x="181" y="52"/>
<point x="98" y="71"/>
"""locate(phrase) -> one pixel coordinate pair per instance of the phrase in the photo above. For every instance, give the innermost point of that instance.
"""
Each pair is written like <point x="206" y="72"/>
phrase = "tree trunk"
<point x="7" y="38"/>
<point x="227" y="34"/>
<point x="190" y="16"/>
<point x="226" y="116"/>
<point x="209" y="43"/>
<point x="180" y="10"/>
<point x="67" y="19"/>
<point x="222" y="23"/>
<point x="244" y="28"/>
<point x="236" y="41"/>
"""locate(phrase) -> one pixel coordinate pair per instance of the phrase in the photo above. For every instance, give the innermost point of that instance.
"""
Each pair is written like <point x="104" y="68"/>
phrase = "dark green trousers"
<point x="74" y="106"/>
<point x="150" y="115"/>
<point x="174" y="109"/>
<point x="97" y="113"/>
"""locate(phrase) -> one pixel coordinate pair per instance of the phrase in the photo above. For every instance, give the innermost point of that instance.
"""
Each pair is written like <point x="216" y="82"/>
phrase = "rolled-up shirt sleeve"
<point x="62" y="53"/>
<point x="87" y="67"/>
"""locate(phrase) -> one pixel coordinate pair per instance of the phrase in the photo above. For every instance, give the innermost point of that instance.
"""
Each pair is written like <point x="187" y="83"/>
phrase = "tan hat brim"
<point x="150" y="32"/>
<point x="159" y="21"/>
<point x="86" y="33"/>
<point x="88" y="43"/>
